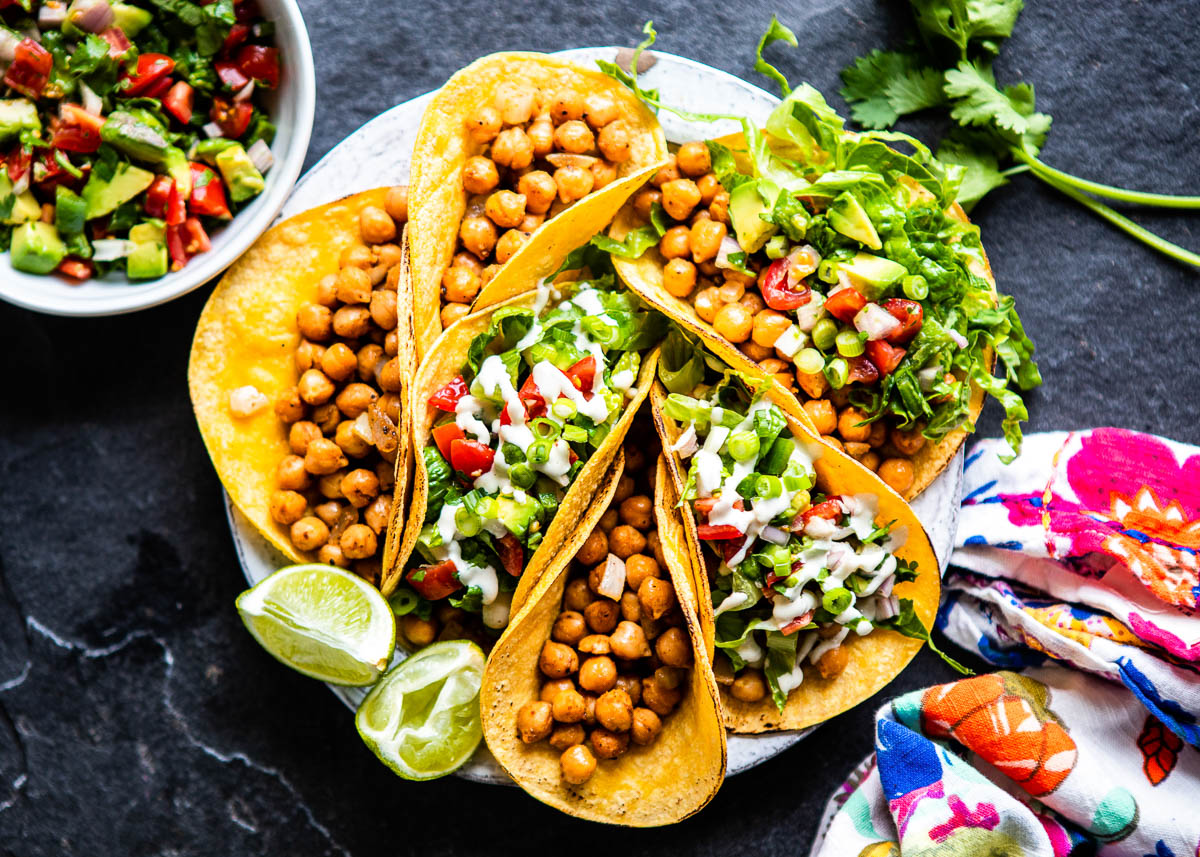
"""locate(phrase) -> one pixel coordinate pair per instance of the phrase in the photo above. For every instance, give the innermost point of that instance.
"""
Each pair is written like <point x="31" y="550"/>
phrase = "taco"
<point x="816" y="582"/>
<point x="517" y="414"/>
<point x="299" y="377"/>
<point x="599" y="699"/>
<point x="520" y="158"/>
<point x="845" y="271"/>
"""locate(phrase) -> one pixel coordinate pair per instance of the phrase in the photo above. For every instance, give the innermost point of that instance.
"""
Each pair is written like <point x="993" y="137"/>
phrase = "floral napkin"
<point x="1077" y="565"/>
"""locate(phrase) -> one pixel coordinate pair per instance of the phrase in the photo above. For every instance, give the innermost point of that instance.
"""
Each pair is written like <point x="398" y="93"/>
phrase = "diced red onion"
<point x="810" y="313"/>
<point x="612" y="581"/>
<point x="686" y="444"/>
<point x="260" y="155"/>
<point x="212" y="129"/>
<point x="959" y="339"/>
<point x="8" y="45"/>
<point x="92" y="102"/>
<point x="52" y="14"/>
<point x="92" y="16"/>
<point x="110" y="249"/>
<point x="803" y="260"/>
<point x="728" y="245"/>
<point x="22" y="184"/>
<point x="245" y="92"/>
<point x="774" y="535"/>
<point x="885" y="588"/>
<point x="928" y="377"/>
<point x="875" y="321"/>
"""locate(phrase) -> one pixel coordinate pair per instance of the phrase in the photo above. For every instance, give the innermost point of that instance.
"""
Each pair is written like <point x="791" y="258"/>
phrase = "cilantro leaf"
<point x="981" y="103"/>
<point x="884" y="85"/>
<point x="982" y="170"/>
<point x="90" y="56"/>
<point x="776" y="32"/>
<point x="917" y="89"/>
<point x="963" y="22"/>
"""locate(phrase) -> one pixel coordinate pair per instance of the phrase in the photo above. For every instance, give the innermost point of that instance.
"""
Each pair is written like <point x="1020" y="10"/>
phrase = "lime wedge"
<point x="422" y="719"/>
<point x="322" y="621"/>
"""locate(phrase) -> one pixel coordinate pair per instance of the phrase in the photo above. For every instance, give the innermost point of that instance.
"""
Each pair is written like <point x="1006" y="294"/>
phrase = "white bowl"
<point x="291" y="107"/>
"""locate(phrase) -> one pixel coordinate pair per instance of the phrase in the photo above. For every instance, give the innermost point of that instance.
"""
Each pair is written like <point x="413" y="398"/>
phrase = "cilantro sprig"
<point x="999" y="131"/>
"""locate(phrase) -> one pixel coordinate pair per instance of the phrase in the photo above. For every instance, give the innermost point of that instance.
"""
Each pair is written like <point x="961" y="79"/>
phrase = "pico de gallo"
<point x="129" y="131"/>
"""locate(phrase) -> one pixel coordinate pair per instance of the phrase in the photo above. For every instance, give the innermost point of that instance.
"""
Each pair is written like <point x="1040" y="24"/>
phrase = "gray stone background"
<point x="138" y="718"/>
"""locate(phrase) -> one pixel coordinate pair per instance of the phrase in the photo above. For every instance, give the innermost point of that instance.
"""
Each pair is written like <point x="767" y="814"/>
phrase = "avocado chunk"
<point x="177" y="167"/>
<point x="102" y="197"/>
<point x="148" y="258"/>
<point x="847" y="216"/>
<point x="207" y="150"/>
<point x="745" y="206"/>
<point x="517" y="516"/>
<point x="17" y="115"/>
<point x="872" y="275"/>
<point x="36" y="248"/>
<point x="24" y="205"/>
<point x="131" y="19"/>
<point x="70" y="211"/>
<point x="137" y="139"/>
<point x="240" y="174"/>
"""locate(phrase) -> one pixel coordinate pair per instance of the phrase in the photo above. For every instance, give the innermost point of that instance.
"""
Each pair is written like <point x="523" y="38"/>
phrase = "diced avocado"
<point x="146" y="261"/>
<point x="176" y="164"/>
<point x="150" y="232"/>
<point x="135" y="138"/>
<point x="207" y="150"/>
<point x="36" y="247"/>
<point x="847" y="216"/>
<point x="872" y="275"/>
<point x="745" y="206"/>
<point x="24" y="206"/>
<point x="102" y="197"/>
<point x="241" y="176"/>
<point x="517" y="516"/>
<point x="70" y="211"/>
<point x="131" y="19"/>
<point x="17" y="115"/>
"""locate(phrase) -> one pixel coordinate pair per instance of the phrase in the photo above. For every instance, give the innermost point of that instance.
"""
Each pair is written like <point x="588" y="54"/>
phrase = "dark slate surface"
<point x="136" y="716"/>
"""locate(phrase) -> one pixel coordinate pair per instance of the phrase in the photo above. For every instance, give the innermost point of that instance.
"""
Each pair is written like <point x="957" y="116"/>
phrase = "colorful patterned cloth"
<point x="1076" y="564"/>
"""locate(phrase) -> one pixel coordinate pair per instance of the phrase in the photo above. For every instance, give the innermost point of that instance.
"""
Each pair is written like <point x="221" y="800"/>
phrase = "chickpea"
<point x="679" y="197"/>
<point x="329" y="511"/>
<point x="848" y="425"/>
<point x="557" y="660"/>
<point x="655" y="544"/>
<point x="289" y="407"/>
<point x="569" y="706"/>
<point x="658" y="697"/>
<point x="378" y="512"/>
<point x="515" y="103"/>
<point x="291" y="475"/>
<point x="749" y="686"/>
<point x="879" y="434"/>
<point x="315" y="322"/>
<point x="638" y="568"/>
<point x="705" y="239"/>
<point x="604" y="173"/>
<point x="718" y="209"/>
<point x="484" y="125"/>
<point x="908" y="442"/>
<point x="625" y="541"/>
<point x="707" y="304"/>
<point x="693" y="159"/>
<point x="897" y="473"/>
<point x="326" y="292"/>
<point x="709" y="188"/>
<point x="567" y="105"/>
<point x="535" y="720"/>
<point x="589" y="709"/>
<point x="389" y="376"/>
<point x="643" y="202"/>
<point x="567" y="735"/>
<point x="614" y="710"/>
<point x="598" y="673"/>
<point x="360" y="487"/>
<point x="645" y="726"/>
<point x="769" y="325"/>
<point x="539" y="189"/>
<point x="463" y="259"/>
<point x="573" y="183"/>
<point x="510" y="242"/>
<point x="871" y="460"/>
<point x="287" y="507"/>
<point x="657" y="596"/>
<point x="679" y="277"/>
<point x="734" y="322"/>
<point x="353" y="286"/>
<point x="731" y="291"/>
<point x="541" y="136"/>
<point x="830" y="440"/>
<point x="615" y="142"/>
<point x="577" y="595"/>
<point x="833" y="662"/>
<point x="480" y="175"/>
<point x="339" y="362"/>
<point x="631" y="608"/>
<point x="552" y="689"/>
<point x="460" y="285"/>
<point x="608" y="520"/>
<point x="355" y="398"/>
<point x="453" y="312"/>
<point x="575" y="137"/>
<point x="383" y="309"/>
<point x="505" y="208"/>
<point x="607" y="744"/>
<point x="595" y="644"/>
<point x="594" y="549"/>
<point x="822" y="414"/>
<point x="578" y="764"/>
<point x="599" y="109"/>
<point x="314" y="387"/>
<point x="375" y="225"/>
<point x="309" y="533"/>
<point x="308" y="354"/>
<point x="755" y="351"/>
<point x="323" y="457"/>
<point x="478" y="235"/>
<point x="420" y="632"/>
<point x="601" y="615"/>
<point x="628" y="641"/>
<point x="673" y="648"/>
<point x="624" y="487"/>
<point x="856" y="450"/>
<point x="351" y="322"/>
<point x="327" y="417"/>
<point x="667" y="173"/>
<point x="512" y="148"/>
<point x="356" y="256"/>
<point x="350" y="442"/>
<point x="675" y="243"/>
<point x="358" y="541"/>
<point x="569" y="628"/>
<point x="638" y="511"/>
<point x="332" y="555"/>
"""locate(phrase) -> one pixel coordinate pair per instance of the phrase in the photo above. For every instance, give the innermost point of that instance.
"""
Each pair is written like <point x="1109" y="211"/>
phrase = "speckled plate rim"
<point x="379" y="153"/>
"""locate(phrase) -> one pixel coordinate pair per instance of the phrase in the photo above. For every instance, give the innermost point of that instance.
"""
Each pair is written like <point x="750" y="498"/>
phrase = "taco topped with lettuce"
<point x="845" y="270"/>
<point x="520" y="411"/>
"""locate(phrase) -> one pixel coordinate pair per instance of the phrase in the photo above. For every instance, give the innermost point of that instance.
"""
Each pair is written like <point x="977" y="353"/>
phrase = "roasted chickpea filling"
<point x="617" y="660"/>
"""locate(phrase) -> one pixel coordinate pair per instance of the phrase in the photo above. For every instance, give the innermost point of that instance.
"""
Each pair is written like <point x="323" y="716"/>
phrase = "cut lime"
<point x="322" y="621"/>
<point x="422" y="719"/>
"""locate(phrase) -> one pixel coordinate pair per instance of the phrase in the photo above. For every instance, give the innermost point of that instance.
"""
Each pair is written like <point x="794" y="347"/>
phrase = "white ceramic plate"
<point x="291" y="106"/>
<point x="379" y="153"/>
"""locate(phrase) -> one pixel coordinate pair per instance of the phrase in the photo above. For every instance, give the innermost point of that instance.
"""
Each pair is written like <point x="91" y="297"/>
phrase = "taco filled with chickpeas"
<point x="815" y="583"/>
<point x="518" y="412"/>
<point x="599" y="699"/>
<point x="520" y="158"/>
<point x="299" y="377"/>
<point x="844" y="270"/>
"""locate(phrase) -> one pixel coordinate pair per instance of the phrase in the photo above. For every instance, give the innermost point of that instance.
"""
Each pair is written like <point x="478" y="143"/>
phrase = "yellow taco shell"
<point x="437" y="200"/>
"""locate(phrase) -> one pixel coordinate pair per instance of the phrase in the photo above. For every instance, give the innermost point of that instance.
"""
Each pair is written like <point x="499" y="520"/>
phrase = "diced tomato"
<point x="718" y="532"/>
<point x="158" y="195"/>
<point x="583" y="374"/>
<point x="118" y="42"/>
<point x="260" y="63"/>
<point x="512" y="555"/>
<point x="446" y="399"/>
<point x="18" y="162"/>
<point x="797" y="623"/>
<point x="845" y="303"/>
<point x="195" y="239"/>
<point x="777" y="292"/>
<point x="151" y="68"/>
<point x="444" y="435"/>
<point x="531" y="398"/>
<point x="175" y="248"/>
<point x="73" y="114"/>
<point x="910" y="315"/>
<point x="731" y="548"/>
<point x="233" y="117"/>
<point x="231" y="75"/>
<point x="76" y="269"/>
<point x="434" y="582"/>
<point x="160" y="88"/>
<point x="862" y="371"/>
<point x="208" y="194"/>
<point x="178" y="101"/>
<point x="704" y="505"/>
<point x="176" y="211"/>
<point x="48" y="172"/>
<point x="75" y="138"/>
<point x="830" y="510"/>
<point x="885" y="357"/>
<point x="471" y="457"/>
<point x="30" y="69"/>
<point x="238" y="33"/>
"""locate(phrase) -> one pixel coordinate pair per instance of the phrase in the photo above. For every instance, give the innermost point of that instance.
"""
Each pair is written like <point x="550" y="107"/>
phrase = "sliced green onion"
<point x="743" y="445"/>
<point x="574" y="434"/>
<point x="512" y="453"/>
<point x="915" y="287"/>
<point x="564" y="409"/>
<point x="827" y="271"/>
<point x="768" y="486"/>
<point x="538" y="452"/>
<point x="810" y="361"/>
<point x="777" y="247"/>
<point x="837" y="600"/>
<point x="544" y="428"/>
<point x="837" y="372"/>
<point x="849" y="344"/>
<point x="403" y="601"/>
<point x="824" y="333"/>
<point x="466" y="521"/>
<point x="522" y="475"/>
